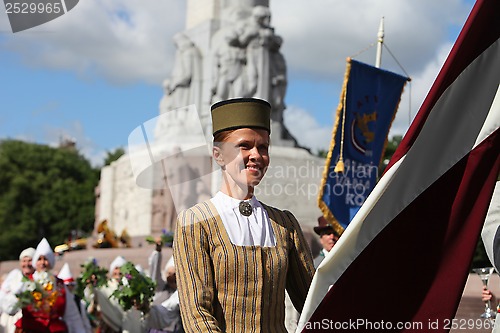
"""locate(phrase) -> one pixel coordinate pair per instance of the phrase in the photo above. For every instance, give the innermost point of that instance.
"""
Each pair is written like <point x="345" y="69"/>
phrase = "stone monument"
<point x="228" y="49"/>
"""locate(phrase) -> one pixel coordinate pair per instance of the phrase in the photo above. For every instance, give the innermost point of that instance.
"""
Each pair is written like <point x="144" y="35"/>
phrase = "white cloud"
<point x="420" y="86"/>
<point x="120" y="40"/>
<point x="131" y="40"/>
<point x="305" y="128"/>
<point x="417" y="34"/>
<point x="74" y="131"/>
<point x="317" y="41"/>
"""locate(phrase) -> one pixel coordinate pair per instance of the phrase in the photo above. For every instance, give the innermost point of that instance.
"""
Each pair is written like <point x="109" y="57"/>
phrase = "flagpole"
<point x="380" y="36"/>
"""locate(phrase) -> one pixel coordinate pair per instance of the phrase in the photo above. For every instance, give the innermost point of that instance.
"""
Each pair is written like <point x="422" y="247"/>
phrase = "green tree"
<point x="113" y="155"/>
<point x="322" y="153"/>
<point x="390" y="148"/>
<point x="44" y="192"/>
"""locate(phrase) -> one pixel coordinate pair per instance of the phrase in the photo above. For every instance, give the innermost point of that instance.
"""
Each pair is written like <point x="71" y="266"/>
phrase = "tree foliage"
<point x="113" y="156"/>
<point x="390" y="149"/>
<point x="44" y="192"/>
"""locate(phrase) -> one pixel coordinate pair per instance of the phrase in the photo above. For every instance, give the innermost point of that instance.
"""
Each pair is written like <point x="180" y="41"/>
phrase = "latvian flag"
<point x="403" y="261"/>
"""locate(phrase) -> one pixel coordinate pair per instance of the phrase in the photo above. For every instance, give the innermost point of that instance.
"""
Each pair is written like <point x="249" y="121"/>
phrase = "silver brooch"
<point x="245" y="208"/>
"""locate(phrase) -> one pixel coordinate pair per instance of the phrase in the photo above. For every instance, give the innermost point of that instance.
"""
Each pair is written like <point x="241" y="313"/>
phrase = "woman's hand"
<point x="487" y="295"/>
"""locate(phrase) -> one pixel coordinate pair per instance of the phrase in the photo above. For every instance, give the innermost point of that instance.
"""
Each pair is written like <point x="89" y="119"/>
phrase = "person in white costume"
<point x="69" y="282"/>
<point x="62" y="315"/>
<point x="7" y="297"/>
<point x="111" y="312"/>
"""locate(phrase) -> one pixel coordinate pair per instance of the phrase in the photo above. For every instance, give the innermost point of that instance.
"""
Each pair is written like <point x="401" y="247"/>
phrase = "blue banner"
<point x="369" y="101"/>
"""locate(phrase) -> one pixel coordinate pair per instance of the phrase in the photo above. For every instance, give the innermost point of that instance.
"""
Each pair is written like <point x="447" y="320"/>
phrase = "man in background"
<point x="328" y="237"/>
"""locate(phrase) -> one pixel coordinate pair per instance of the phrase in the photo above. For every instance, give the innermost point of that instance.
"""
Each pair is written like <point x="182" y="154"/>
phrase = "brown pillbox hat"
<point x="239" y="113"/>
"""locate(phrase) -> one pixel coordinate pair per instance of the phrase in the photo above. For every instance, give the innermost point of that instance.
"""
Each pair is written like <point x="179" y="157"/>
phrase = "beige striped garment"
<point x="228" y="288"/>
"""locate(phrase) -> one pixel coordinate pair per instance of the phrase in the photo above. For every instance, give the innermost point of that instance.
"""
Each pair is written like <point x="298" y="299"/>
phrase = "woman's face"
<point x="244" y="155"/>
<point x="42" y="264"/>
<point x="26" y="266"/>
<point x="117" y="273"/>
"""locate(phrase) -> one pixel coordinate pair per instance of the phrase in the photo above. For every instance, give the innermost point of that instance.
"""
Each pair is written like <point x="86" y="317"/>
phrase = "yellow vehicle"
<point x="77" y="244"/>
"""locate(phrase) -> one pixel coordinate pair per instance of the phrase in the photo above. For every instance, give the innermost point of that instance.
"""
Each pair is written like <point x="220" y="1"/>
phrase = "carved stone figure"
<point x="278" y="80"/>
<point x="246" y="61"/>
<point x="183" y="87"/>
<point x="180" y="188"/>
<point x="163" y="211"/>
<point x="257" y="36"/>
<point x="229" y="59"/>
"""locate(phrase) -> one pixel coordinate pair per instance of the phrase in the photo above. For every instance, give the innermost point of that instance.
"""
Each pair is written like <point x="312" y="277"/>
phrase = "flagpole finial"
<point x="380" y="39"/>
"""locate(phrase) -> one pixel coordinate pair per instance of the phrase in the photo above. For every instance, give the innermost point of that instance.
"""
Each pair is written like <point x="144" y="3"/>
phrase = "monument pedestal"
<point x="291" y="183"/>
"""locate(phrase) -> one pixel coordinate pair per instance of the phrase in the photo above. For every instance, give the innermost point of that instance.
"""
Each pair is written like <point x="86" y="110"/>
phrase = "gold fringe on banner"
<point x="340" y="108"/>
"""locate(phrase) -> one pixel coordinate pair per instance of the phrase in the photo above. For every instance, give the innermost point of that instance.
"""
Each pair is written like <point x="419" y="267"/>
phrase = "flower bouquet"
<point x="167" y="238"/>
<point x="134" y="289"/>
<point x="92" y="276"/>
<point x="40" y="293"/>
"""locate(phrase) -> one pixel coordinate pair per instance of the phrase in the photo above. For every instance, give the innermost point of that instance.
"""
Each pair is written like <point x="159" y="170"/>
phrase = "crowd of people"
<point x="96" y="310"/>
<point x="238" y="265"/>
<point x="34" y="299"/>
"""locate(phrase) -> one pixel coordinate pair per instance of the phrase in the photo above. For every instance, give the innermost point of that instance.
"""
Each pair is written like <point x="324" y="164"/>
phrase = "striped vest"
<point x="228" y="288"/>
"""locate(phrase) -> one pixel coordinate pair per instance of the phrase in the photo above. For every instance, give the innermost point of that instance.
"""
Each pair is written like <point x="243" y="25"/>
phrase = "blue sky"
<point x="95" y="73"/>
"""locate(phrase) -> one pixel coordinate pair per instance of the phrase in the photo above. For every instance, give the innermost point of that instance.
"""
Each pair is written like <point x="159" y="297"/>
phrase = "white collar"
<point x="232" y="203"/>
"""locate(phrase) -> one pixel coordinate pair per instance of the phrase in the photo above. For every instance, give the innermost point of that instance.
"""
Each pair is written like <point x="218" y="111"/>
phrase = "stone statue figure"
<point x="247" y="60"/>
<point x="163" y="211"/>
<point x="278" y="80"/>
<point x="229" y="60"/>
<point x="183" y="87"/>
<point x="257" y="36"/>
<point x="180" y="190"/>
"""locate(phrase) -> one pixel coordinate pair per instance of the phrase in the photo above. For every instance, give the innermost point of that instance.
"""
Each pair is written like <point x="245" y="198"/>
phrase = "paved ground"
<point x="467" y="318"/>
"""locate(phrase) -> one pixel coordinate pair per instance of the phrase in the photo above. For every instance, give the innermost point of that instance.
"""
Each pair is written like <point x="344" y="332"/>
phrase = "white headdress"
<point x="44" y="249"/>
<point x="29" y="252"/>
<point x="118" y="262"/>
<point x="65" y="274"/>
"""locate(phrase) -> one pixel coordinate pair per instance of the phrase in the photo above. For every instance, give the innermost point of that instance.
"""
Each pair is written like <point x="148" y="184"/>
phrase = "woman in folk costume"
<point x="8" y="299"/>
<point x="110" y="311"/>
<point x="55" y="311"/>
<point x="234" y="255"/>
<point x="115" y="274"/>
<point x="70" y="283"/>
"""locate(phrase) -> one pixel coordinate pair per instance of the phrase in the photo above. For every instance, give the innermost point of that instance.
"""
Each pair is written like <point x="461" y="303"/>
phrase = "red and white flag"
<point x="403" y="261"/>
